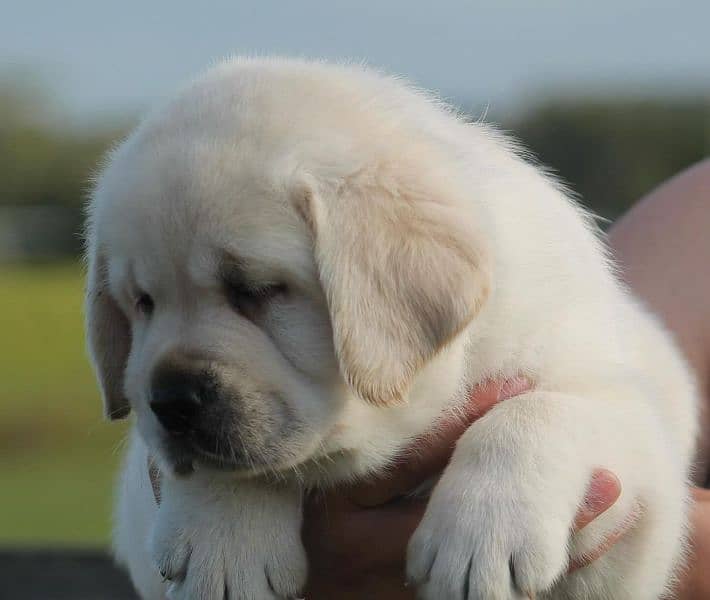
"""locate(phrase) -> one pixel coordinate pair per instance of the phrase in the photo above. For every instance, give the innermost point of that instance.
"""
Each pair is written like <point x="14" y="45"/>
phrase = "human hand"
<point x="356" y="537"/>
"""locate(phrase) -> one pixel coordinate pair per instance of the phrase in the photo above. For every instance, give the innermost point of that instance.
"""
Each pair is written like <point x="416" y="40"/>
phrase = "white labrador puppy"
<point x="297" y="268"/>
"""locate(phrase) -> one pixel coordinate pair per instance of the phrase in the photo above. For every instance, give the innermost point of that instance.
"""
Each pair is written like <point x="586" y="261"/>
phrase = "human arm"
<point x="663" y="248"/>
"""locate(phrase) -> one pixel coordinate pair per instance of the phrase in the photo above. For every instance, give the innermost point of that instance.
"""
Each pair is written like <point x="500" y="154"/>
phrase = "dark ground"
<point x="61" y="575"/>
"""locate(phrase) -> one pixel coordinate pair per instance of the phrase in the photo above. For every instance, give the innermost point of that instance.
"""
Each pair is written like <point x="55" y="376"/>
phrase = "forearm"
<point x="662" y="247"/>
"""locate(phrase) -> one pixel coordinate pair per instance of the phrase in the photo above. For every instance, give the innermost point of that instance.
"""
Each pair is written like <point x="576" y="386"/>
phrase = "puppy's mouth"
<point x="184" y="454"/>
<point x="218" y="461"/>
<point x="184" y="457"/>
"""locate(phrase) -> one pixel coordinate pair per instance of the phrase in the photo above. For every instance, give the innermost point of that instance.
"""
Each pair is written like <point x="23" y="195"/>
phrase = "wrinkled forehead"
<point x="189" y="208"/>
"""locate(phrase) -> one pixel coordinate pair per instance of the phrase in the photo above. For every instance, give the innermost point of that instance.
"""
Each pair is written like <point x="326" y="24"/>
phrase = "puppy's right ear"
<point x="404" y="269"/>
<point x="108" y="338"/>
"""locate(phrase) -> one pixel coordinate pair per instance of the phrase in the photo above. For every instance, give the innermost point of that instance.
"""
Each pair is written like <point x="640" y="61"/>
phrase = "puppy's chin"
<point x="184" y="464"/>
<point x="183" y="460"/>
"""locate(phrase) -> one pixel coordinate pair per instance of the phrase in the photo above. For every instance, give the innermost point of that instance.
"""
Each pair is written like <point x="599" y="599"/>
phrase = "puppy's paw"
<point x="216" y="547"/>
<point x="478" y="542"/>
<point x="498" y="523"/>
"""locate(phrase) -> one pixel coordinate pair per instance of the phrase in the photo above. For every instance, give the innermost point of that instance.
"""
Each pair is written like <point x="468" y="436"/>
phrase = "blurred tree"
<point x="40" y="162"/>
<point x="45" y="170"/>
<point x="611" y="152"/>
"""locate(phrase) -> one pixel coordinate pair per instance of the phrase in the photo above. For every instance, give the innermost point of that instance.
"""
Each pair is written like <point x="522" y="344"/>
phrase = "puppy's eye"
<point x="145" y="304"/>
<point x="250" y="301"/>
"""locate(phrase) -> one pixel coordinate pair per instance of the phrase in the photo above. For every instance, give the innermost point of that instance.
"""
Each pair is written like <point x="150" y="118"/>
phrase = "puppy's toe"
<point x="421" y="555"/>
<point x="541" y="560"/>
<point x="204" y="580"/>
<point x="172" y="561"/>
<point x="241" y="587"/>
<point x="171" y="553"/>
<point x="286" y="576"/>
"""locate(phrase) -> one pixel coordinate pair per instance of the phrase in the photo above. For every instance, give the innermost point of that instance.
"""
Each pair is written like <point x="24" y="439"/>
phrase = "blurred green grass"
<point x="58" y="457"/>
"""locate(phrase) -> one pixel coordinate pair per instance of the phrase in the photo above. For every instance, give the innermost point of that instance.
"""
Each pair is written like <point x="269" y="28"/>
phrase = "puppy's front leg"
<point x="216" y="538"/>
<point x="499" y="522"/>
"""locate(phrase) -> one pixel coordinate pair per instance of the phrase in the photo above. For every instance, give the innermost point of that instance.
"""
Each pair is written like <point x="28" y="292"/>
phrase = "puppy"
<point x="295" y="269"/>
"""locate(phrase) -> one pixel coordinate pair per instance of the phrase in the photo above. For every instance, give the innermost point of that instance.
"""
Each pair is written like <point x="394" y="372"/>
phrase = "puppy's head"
<point x="282" y="241"/>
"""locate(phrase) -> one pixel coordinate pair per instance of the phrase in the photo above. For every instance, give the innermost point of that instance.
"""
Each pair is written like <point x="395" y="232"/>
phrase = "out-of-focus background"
<point x="613" y="95"/>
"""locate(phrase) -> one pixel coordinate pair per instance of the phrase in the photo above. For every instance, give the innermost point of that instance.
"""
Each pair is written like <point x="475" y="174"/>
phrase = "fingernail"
<point x="514" y="387"/>
<point x="604" y="489"/>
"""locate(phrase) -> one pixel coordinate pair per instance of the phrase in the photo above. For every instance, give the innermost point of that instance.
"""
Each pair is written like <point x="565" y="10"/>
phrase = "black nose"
<point x="177" y="397"/>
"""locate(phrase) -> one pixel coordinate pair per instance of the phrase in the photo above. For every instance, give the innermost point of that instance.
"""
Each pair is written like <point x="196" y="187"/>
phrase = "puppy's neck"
<point x="366" y="439"/>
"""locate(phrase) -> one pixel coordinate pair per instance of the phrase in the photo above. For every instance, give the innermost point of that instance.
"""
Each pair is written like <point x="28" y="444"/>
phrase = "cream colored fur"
<point x="422" y="255"/>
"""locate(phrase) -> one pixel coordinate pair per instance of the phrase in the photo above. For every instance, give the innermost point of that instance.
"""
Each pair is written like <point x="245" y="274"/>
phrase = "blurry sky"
<point x="107" y="57"/>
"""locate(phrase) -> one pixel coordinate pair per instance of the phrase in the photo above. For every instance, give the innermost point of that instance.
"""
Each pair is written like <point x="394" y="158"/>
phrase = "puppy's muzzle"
<point x="200" y="417"/>
<point x="205" y="420"/>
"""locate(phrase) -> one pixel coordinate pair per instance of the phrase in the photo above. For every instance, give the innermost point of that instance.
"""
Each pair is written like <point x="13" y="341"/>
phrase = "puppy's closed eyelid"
<point x="253" y="292"/>
<point x="234" y="277"/>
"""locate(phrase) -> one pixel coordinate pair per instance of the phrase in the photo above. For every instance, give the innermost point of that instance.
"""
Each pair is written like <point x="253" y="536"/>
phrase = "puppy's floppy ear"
<point x="108" y="338"/>
<point x="403" y="269"/>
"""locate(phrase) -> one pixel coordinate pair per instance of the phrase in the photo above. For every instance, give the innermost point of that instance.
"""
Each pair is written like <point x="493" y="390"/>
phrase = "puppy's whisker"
<point x="121" y="444"/>
<point x="247" y="455"/>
